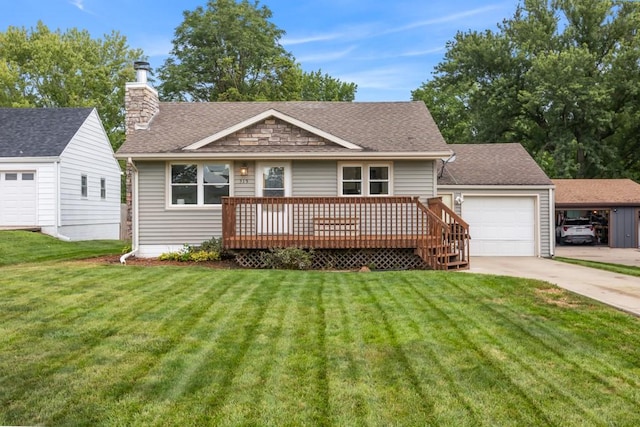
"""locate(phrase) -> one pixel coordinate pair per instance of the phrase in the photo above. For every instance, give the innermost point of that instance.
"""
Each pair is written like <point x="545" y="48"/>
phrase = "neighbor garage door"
<point x="17" y="198"/>
<point x="500" y="226"/>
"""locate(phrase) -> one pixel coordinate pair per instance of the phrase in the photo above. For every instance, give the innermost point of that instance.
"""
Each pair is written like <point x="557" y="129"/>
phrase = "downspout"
<point x="58" y="208"/>
<point x="134" y="213"/>
<point x="552" y="222"/>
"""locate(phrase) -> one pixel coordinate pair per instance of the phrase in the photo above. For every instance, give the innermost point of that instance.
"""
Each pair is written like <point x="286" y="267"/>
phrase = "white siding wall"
<point x="89" y="153"/>
<point x="315" y="178"/>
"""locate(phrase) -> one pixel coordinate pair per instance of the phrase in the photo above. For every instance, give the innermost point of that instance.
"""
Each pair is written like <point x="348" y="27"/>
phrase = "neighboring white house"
<point x="58" y="173"/>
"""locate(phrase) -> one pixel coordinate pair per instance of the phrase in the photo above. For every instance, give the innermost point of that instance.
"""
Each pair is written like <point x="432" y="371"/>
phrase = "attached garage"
<point x="501" y="225"/>
<point x="18" y="193"/>
<point x="504" y="196"/>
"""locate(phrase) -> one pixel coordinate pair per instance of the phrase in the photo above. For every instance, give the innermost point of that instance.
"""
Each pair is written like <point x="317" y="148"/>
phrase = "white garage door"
<point x="500" y="226"/>
<point x="17" y="198"/>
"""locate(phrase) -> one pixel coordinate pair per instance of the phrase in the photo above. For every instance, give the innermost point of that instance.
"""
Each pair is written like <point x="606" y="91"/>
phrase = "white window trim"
<point x="365" y="178"/>
<point x="85" y="194"/>
<point x="199" y="185"/>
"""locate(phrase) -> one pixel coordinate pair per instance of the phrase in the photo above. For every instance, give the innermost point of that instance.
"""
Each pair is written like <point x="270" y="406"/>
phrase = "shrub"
<point x="190" y="253"/>
<point x="288" y="258"/>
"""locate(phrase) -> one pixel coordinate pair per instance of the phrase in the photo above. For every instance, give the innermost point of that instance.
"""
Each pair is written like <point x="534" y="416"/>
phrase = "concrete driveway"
<point x="620" y="291"/>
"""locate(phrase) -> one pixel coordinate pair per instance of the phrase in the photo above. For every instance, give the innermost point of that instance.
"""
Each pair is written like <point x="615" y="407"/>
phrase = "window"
<point x="83" y="185"/>
<point x="365" y="179"/>
<point x="103" y="188"/>
<point x="11" y="177"/>
<point x="199" y="183"/>
<point x="378" y="180"/>
<point x="27" y="176"/>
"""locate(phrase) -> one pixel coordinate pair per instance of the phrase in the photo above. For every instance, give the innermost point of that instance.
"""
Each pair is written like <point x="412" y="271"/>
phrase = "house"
<point x="354" y="181"/>
<point x="612" y="205"/>
<point x="504" y="196"/>
<point x="58" y="173"/>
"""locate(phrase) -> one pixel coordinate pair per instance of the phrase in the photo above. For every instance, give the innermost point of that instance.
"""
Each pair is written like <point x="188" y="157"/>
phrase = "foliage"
<point x="288" y="258"/>
<point x="94" y="344"/>
<point x="209" y="250"/>
<point x="44" y="68"/>
<point x="559" y="76"/>
<point x="230" y="51"/>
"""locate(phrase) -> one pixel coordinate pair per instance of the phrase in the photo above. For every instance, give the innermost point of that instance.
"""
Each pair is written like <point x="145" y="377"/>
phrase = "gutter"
<point x="409" y="155"/>
<point x="134" y="214"/>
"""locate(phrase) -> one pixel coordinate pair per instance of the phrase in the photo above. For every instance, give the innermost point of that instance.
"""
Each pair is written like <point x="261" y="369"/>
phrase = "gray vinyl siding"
<point x="315" y="178"/>
<point x="545" y="221"/>
<point x="159" y="225"/>
<point x="414" y="178"/>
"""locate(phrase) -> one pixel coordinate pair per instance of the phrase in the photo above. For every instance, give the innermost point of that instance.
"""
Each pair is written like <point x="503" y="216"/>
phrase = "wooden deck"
<point x="437" y="234"/>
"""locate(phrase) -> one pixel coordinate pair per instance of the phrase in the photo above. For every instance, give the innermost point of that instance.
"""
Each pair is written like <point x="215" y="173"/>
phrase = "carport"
<point x="612" y="206"/>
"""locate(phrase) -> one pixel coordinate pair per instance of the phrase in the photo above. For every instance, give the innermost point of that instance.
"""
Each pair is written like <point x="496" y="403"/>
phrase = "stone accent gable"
<point x="272" y="131"/>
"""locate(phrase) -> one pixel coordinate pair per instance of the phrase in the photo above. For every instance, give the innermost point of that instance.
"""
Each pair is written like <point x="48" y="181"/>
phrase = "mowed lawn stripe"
<point x="521" y="356"/>
<point x="174" y="346"/>
<point x="548" y="344"/>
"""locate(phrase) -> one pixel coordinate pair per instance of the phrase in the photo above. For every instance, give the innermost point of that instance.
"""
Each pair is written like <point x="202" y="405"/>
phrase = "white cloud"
<point x="78" y="3"/>
<point x="327" y="56"/>
<point x="444" y="19"/>
<point x="286" y="41"/>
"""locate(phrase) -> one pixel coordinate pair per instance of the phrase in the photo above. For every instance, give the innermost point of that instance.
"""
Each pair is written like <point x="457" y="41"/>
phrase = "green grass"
<point x="616" y="268"/>
<point x="24" y="246"/>
<point x="89" y="344"/>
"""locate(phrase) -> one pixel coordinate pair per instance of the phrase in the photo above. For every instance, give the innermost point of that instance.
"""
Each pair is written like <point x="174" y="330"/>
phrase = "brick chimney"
<point x="141" y="101"/>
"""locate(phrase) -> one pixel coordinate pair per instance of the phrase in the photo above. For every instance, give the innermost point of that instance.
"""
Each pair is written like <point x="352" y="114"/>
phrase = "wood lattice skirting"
<point x="379" y="259"/>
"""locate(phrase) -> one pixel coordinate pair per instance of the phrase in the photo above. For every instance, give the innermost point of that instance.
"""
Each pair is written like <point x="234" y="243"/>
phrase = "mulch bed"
<point x="154" y="262"/>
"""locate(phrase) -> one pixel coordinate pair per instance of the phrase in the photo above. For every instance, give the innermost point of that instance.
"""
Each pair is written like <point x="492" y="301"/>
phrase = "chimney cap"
<point x="141" y="65"/>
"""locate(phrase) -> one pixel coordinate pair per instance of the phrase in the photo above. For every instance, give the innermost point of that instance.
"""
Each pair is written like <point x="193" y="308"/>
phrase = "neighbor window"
<point x="365" y="179"/>
<point x="11" y="177"/>
<point x="199" y="183"/>
<point x="83" y="185"/>
<point x="103" y="188"/>
<point x="27" y="176"/>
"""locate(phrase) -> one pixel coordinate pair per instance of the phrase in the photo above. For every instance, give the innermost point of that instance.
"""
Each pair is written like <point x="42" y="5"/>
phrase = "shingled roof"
<point x="38" y="132"/>
<point x="382" y="127"/>
<point x="596" y="192"/>
<point x="492" y="164"/>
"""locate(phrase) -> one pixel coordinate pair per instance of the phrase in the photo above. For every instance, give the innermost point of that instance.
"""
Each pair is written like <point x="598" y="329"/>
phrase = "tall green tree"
<point x="231" y="51"/>
<point x="560" y="76"/>
<point x="44" y="68"/>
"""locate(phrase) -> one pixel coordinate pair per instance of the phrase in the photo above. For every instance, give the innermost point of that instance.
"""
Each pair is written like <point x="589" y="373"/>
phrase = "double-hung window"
<point x="366" y="179"/>
<point x="199" y="184"/>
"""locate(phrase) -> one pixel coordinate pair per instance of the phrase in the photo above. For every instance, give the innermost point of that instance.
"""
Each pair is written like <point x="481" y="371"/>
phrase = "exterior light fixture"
<point x="244" y="169"/>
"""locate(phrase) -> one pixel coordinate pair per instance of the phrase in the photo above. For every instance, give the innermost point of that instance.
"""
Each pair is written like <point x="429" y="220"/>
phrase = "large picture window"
<point x="199" y="183"/>
<point x="365" y="179"/>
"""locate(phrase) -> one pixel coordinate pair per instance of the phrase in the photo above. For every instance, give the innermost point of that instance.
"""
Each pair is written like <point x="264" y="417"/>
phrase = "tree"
<point x="558" y="76"/>
<point x="41" y="68"/>
<point x="230" y="51"/>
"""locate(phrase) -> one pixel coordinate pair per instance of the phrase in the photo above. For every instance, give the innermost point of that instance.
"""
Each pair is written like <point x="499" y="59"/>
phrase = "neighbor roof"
<point x="492" y="164"/>
<point x="38" y="132"/>
<point x="597" y="192"/>
<point x="374" y="126"/>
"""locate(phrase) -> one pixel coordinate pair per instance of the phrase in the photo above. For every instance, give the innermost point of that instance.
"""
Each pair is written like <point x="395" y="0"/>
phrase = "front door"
<point x="273" y="180"/>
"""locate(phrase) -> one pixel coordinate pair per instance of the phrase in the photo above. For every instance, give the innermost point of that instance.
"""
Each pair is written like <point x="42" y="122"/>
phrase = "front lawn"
<point x="89" y="344"/>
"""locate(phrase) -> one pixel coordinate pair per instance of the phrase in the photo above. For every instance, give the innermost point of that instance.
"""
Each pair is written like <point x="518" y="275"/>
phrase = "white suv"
<point x="575" y="230"/>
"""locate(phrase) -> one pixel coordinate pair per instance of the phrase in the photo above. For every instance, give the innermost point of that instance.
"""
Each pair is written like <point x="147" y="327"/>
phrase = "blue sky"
<point x="388" y="48"/>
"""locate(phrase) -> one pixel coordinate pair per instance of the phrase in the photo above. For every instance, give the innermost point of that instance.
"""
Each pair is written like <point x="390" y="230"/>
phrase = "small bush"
<point x="288" y="259"/>
<point x="192" y="254"/>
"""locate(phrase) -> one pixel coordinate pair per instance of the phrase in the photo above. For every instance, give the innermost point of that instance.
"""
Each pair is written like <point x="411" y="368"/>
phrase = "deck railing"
<point x="339" y="223"/>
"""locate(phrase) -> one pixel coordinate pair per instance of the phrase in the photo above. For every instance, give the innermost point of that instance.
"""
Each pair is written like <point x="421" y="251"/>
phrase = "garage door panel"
<point x="18" y="194"/>
<point x="500" y="226"/>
